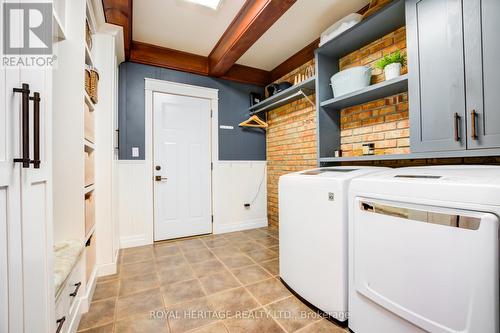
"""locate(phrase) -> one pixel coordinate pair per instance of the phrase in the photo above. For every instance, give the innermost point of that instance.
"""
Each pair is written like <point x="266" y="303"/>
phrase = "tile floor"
<point x="210" y="284"/>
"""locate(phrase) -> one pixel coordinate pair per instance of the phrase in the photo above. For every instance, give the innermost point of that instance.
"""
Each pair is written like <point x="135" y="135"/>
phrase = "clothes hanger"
<point x="254" y="121"/>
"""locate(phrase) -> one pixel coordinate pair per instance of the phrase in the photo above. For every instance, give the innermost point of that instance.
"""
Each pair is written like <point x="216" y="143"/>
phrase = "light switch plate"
<point x="135" y="151"/>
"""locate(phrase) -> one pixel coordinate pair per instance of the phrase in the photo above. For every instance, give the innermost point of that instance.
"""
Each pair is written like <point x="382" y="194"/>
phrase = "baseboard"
<point x="242" y="225"/>
<point x="89" y="291"/>
<point x="133" y="241"/>
<point x="75" y="321"/>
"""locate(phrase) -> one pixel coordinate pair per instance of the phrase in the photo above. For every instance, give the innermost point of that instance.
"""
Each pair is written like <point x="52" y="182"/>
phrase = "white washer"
<point x="424" y="250"/>
<point x="313" y="235"/>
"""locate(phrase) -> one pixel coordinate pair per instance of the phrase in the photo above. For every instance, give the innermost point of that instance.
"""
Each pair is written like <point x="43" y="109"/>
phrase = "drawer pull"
<point x="60" y="323"/>
<point x="457" y="127"/>
<point x="74" y="293"/>
<point x="474" y="116"/>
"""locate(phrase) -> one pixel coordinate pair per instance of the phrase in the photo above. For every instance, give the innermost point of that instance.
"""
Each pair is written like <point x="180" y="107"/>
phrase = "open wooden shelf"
<point x="371" y="93"/>
<point x="286" y="96"/>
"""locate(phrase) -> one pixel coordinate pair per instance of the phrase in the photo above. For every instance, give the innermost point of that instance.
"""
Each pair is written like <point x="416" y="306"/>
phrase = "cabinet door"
<point x="482" y="52"/>
<point x="436" y="75"/>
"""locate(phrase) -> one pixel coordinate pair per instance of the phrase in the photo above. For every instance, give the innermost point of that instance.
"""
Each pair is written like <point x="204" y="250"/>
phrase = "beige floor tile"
<point x="272" y="266"/>
<point x="292" y="314"/>
<point x="108" y="278"/>
<point x="182" y="292"/>
<point x="237" y="260"/>
<point x="249" y="246"/>
<point x="225" y="251"/>
<point x="140" y="268"/>
<point x="232" y="302"/>
<point x="138" y="283"/>
<point x="170" y="261"/>
<point x="275" y="248"/>
<point x="100" y="313"/>
<point x="101" y="329"/>
<point x="134" y="256"/>
<point x="105" y="290"/>
<point x="215" y="242"/>
<point x="199" y="256"/>
<point x="138" y="249"/>
<point x="255" y="322"/>
<point x="323" y="326"/>
<point x="268" y="241"/>
<point x="191" y="244"/>
<point x="218" y="282"/>
<point x="208" y="268"/>
<point x="142" y="325"/>
<point x="166" y="249"/>
<point x="182" y="272"/>
<point x="256" y="234"/>
<point x="212" y="328"/>
<point x="139" y="304"/>
<point x="251" y="274"/>
<point x="262" y="255"/>
<point x="191" y="315"/>
<point x="268" y="291"/>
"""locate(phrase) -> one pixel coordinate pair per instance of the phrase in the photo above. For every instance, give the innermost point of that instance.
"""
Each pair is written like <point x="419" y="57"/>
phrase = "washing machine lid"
<point x="340" y="172"/>
<point x="473" y="184"/>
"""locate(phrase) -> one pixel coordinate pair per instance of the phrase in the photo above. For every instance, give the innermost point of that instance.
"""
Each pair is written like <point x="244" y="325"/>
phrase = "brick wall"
<point x="291" y="142"/>
<point x="383" y="122"/>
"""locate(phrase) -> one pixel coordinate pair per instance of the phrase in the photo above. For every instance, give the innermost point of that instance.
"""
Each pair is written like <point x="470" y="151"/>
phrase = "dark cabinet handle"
<point x="36" y="130"/>
<point x="60" y="323"/>
<point x="474" y="124"/>
<point x="25" y="126"/>
<point x="74" y="293"/>
<point x="457" y="126"/>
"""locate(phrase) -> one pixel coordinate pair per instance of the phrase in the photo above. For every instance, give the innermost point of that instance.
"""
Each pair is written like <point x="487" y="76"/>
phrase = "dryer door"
<point x="435" y="267"/>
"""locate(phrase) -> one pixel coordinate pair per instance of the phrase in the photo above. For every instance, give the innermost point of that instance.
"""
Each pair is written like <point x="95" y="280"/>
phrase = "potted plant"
<point x="391" y="64"/>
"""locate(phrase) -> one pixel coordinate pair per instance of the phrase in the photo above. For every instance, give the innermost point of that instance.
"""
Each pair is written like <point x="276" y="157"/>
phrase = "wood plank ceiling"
<point x="251" y="22"/>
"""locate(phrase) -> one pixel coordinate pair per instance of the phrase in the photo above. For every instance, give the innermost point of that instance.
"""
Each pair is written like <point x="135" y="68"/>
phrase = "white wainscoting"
<point x="238" y="183"/>
<point x="235" y="183"/>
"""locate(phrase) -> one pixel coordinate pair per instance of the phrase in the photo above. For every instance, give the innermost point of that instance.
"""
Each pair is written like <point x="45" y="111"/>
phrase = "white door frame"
<point x="174" y="88"/>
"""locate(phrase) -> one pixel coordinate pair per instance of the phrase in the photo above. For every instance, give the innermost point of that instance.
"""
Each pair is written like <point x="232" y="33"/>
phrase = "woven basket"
<point x="94" y="83"/>
<point x="87" y="80"/>
<point x="88" y="35"/>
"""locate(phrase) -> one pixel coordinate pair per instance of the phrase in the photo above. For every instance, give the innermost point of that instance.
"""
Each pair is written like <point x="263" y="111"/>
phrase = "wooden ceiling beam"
<point x="119" y="12"/>
<point x="153" y="55"/>
<point x="251" y="22"/>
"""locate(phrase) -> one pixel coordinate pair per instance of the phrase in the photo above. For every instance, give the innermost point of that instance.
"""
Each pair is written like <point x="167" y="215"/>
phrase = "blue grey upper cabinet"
<point x="436" y="75"/>
<point x="482" y="54"/>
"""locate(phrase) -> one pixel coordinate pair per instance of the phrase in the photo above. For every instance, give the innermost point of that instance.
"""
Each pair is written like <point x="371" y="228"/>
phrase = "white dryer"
<point x="424" y="250"/>
<point x="313" y="235"/>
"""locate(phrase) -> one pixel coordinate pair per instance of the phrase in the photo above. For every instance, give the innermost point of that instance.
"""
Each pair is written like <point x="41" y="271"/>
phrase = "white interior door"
<point x="182" y="163"/>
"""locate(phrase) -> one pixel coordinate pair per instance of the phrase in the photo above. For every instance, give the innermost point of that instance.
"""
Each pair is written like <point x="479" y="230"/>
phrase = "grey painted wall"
<point x="236" y="144"/>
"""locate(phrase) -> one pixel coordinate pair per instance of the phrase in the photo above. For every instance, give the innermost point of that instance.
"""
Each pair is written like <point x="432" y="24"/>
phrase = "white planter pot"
<point x="392" y="71"/>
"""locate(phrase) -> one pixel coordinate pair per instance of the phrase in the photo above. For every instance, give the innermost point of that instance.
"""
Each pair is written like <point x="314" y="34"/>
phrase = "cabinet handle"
<point x="74" y="293"/>
<point x="457" y="127"/>
<point x="25" y="126"/>
<point x="36" y="130"/>
<point x="474" y="124"/>
<point x="60" y="323"/>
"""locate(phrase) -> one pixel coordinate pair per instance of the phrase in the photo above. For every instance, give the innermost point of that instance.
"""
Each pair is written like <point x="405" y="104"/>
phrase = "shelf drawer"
<point x="89" y="212"/>
<point x="89" y="124"/>
<point x="90" y="254"/>
<point x="89" y="167"/>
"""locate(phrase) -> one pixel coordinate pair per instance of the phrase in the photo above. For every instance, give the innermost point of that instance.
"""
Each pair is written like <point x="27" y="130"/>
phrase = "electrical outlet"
<point x="135" y="151"/>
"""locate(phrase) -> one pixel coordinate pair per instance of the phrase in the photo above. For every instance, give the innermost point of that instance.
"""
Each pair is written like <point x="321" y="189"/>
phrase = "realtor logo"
<point x="27" y="29"/>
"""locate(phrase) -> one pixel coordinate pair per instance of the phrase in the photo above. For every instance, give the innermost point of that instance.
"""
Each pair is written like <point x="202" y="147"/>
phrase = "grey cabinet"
<point x="454" y="76"/>
<point x="436" y="75"/>
<point x="482" y="54"/>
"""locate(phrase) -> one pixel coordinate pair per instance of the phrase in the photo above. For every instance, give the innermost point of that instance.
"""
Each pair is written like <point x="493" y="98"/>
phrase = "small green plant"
<point x="393" y="58"/>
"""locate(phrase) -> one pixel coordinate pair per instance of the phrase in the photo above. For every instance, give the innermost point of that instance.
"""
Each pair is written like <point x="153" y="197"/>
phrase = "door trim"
<point x="174" y="88"/>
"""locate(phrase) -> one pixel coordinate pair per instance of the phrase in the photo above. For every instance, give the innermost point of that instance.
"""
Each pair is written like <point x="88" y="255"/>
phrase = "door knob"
<point x="160" y="178"/>
<point x="158" y="168"/>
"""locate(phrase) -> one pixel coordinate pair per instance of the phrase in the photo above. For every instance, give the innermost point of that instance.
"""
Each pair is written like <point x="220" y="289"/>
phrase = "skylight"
<point x="213" y="4"/>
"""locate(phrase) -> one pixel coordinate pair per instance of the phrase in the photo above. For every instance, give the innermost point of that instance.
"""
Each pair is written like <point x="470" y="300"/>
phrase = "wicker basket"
<point x="94" y="83"/>
<point x="88" y="35"/>
<point x="87" y="80"/>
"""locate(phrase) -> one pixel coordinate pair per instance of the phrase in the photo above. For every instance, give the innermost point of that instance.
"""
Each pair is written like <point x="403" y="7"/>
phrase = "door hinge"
<point x="211" y="165"/>
<point x="211" y="113"/>
<point x="212" y="219"/>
